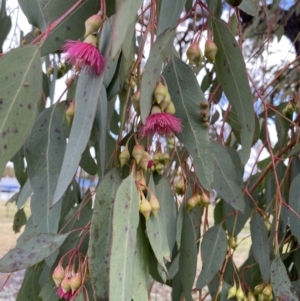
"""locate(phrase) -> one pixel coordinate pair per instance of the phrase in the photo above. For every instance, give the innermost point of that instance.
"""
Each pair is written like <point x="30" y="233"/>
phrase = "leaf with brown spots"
<point x="18" y="103"/>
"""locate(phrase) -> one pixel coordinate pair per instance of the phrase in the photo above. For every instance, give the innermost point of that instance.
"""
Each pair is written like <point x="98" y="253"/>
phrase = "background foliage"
<point x="253" y="110"/>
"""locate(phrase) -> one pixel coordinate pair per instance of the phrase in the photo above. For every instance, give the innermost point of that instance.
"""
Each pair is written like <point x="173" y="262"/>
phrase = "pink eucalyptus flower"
<point x="161" y="123"/>
<point x="85" y="54"/>
<point x="62" y="295"/>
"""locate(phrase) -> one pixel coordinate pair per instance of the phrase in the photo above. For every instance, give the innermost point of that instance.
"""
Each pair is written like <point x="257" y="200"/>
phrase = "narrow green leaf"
<point x="213" y="251"/>
<point x="45" y="149"/>
<point x="19" y="220"/>
<point x="295" y="150"/>
<point x="186" y="96"/>
<point x="188" y="256"/>
<point x="213" y="5"/>
<point x="161" y="49"/>
<point x="281" y="283"/>
<point x="156" y="232"/>
<point x="5" y="26"/>
<point x="30" y="251"/>
<point x="124" y="225"/>
<point x="231" y="71"/>
<point x="168" y="210"/>
<point x="24" y="194"/>
<point x="20" y="91"/>
<point x="49" y="291"/>
<point x="168" y="18"/>
<point x="101" y="234"/>
<point x="226" y="181"/>
<point x="19" y="167"/>
<point x="259" y="236"/>
<point x="294" y="202"/>
<point x="140" y="267"/>
<point x="30" y="288"/>
<point x="125" y="16"/>
<point x="87" y="97"/>
<point x="88" y="163"/>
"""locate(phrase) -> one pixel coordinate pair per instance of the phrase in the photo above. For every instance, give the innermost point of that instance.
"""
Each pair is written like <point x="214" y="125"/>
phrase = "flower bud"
<point x="70" y="113"/>
<point x="210" y="50"/>
<point x="159" y="167"/>
<point x="157" y="157"/>
<point x="160" y="92"/>
<point x="165" y="158"/>
<point x="65" y="284"/>
<point x="239" y="294"/>
<point x="232" y="242"/>
<point x="145" y="160"/>
<point x="145" y="207"/>
<point x="206" y="124"/>
<point x="267" y="291"/>
<point x="58" y="275"/>
<point x="204" y="104"/>
<point x="258" y="289"/>
<point x="164" y="104"/>
<point x="154" y="205"/>
<point x="170" y="109"/>
<point x="231" y="292"/>
<point x="261" y="297"/>
<point x="75" y="282"/>
<point x="137" y="152"/>
<point x="191" y="203"/>
<point x="250" y="297"/>
<point x="179" y="187"/>
<point x="135" y="99"/>
<point x="194" y="54"/>
<point x="92" y="24"/>
<point x="204" y="200"/>
<point x="124" y="156"/>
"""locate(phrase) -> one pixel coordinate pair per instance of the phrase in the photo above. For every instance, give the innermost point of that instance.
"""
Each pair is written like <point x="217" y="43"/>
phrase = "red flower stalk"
<point x="161" y="123"/>
<point x="85" y="54"/>
<point x="64" y="295"/>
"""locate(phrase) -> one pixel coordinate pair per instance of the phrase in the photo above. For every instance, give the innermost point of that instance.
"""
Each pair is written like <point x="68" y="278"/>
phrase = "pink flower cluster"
<point x="64" y="295"/>
<point x="161" y="123"/>
<point x="84" y="54"/>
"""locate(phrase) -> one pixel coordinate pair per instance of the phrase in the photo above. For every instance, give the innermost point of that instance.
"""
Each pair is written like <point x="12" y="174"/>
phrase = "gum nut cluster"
<point x="142" y="158"/>
<point x="160" y="160"/>
<point x="161" y="119"/>
<point x="197" y="200"/>
<point x="204" y="114"/>
<point x="147" y="207"/>
<point x="66" y="281"/>
<point x="86" y="53"/>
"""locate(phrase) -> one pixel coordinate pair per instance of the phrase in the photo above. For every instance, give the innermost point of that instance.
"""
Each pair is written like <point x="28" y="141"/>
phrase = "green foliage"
<point x="190" y="191"/>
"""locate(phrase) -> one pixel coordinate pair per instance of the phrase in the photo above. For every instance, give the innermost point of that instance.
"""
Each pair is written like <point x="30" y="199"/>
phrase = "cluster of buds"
<point x="61" y="70"/>
<point x="162" y="100"/>
<point x="210" y="50"/>
<point x="147" y="207"/>
<point x="237" y="293"/>
<point x="160" y="160"/>
<point x="141" y="156"/>
<point x="197" y="199"/>
<point x="67" y="281"/>
<point x="204" y="113"/>
<point x="263" y="292"/>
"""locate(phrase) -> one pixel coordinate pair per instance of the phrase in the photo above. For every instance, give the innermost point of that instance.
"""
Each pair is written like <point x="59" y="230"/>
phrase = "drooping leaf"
<point x="231" y="71"/>
<point x="34" y="10"/>
<point x="30" y="288"/>
<point x="45" y="149"/>
<point x="161" y="49"/>
<point x="87" y="96"/>
<point x="31" y="250"/>
<point x="168" y="18"/>
<point x="186" y="96"/>
<point x="20" y="91"/>
<point x="88" y="163"/>
<point x="281" y="283"/>
<point x="19" y="220"/>
<point x="188" y="256"/>
<point x="226" y="181"/>
<point x="213" y="251"/>
<point x="5" y="26"/>
<point x="101" y="234"/>
<point x="125" y="16"/>
<point x="259" y="236"/>
<point x="294" y="202"/>
<point x="140" y="267"/>
<point x="19" y="167"/>
<point x="24" y="194"/>
<point x="124" y="225"/>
